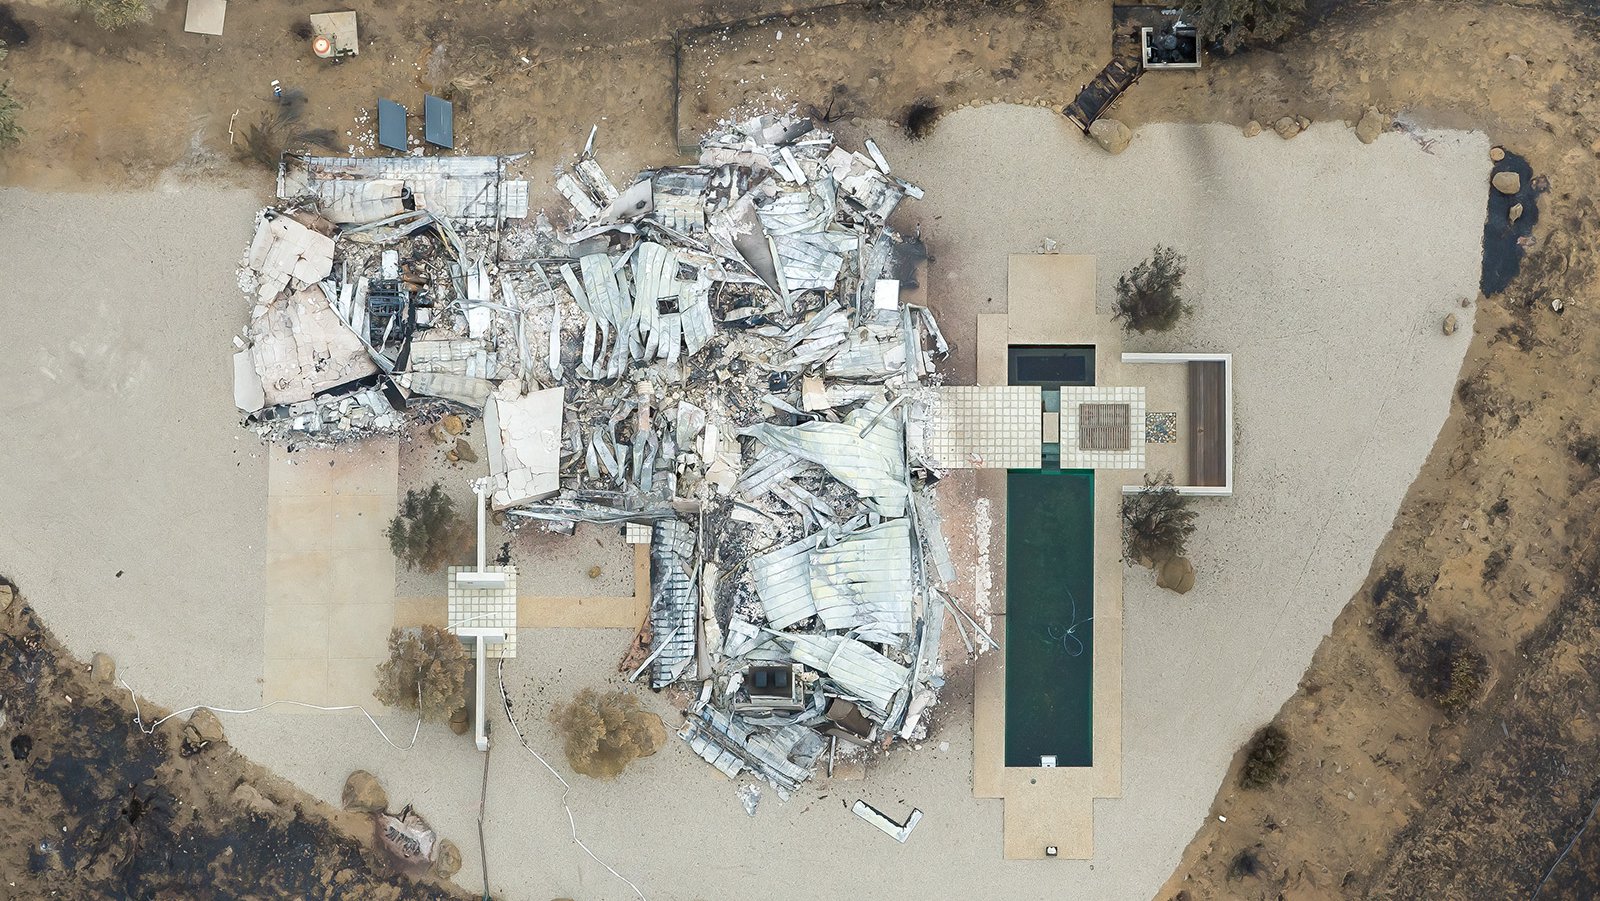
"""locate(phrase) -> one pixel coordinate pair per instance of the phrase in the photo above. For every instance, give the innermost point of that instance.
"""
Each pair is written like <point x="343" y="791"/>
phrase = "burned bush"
<point x="920" y="119"/>
<point x="1439" y="662"/>
<point x="426" y="671"/>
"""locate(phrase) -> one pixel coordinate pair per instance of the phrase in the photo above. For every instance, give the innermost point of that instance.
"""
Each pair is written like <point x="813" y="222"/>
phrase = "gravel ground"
<point x="1324" y="265"/>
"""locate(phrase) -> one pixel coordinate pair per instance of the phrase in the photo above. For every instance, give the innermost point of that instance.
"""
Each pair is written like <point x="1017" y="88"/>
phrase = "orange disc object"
<point x="320" y="46"/>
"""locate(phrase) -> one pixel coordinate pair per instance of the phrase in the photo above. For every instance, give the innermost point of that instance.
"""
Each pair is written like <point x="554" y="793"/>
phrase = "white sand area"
<point x="1324" y="265"/>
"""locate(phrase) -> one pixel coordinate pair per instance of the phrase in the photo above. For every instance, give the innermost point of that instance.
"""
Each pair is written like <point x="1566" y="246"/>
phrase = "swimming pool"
<point x="1049" y="616"/>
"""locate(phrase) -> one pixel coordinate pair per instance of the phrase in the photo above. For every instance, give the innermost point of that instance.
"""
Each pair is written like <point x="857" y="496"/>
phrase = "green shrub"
<point x="1156" y="522"/>
<point x="427" y="533"/>
<point x="1264" y="757"/>
<point x="1147" y="296"/>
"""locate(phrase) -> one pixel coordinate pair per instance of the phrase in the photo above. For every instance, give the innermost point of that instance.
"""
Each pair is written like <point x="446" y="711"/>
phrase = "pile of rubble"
<point x="717" y="354"/>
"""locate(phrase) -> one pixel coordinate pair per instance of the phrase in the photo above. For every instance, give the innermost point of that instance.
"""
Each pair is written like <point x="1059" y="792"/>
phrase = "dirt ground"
<point x="91" y="806"/>
<point x="1493" y="558"/>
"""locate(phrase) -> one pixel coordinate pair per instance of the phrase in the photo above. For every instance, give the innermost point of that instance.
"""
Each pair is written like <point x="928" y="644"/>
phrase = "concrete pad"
<point x="205" y="16"/>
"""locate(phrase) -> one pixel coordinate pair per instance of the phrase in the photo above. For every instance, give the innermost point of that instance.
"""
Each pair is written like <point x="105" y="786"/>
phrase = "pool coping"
<point x="1052" y="297"/>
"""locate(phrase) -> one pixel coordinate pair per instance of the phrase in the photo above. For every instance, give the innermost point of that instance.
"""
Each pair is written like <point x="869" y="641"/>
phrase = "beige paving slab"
<point x="989" y="718"/>
<point x="295" y="679"/>
<point x="296" y="631"/>
<point x="330" y="581"/>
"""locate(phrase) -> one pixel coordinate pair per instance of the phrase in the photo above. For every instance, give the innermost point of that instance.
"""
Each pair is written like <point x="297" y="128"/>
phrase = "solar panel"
<point x="438" y="121"/>
<point x="391" y="125"/>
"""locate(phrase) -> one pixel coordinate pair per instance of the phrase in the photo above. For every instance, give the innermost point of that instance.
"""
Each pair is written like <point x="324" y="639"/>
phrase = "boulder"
<point x="1111" y="135"/>
<point x="460" y="721"/>
<point x="1252" y="128"/>
<point x="1514" y="213"/>
<point x="1496" y="154"/>
<point x="102" y="668"/>
<point x="7" y="595"/>
<point x="203" y="728"/>
<point x="464" y="451"/>
<point x="1506" y="182"/>
<point x="1176" y="575"/>
<point x="1286" y="127"/>
<point x="448" y="861"/>
<point x="1450" y="324"/>
<point x="658" y="733"/>
<point x="1303" y="122"/>
<point x="1371" y="124"/>
<point x="363" y="793"/>
<point x="439" y="434"/>
<point x="453" y="424"/>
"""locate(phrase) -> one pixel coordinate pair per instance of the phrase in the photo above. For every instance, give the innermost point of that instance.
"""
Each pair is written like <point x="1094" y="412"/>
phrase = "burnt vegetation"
<point x="606" y="732"/>
<point x="920" y="118"/>
<point x="1440" y="663"/>
<point x="426" y="671"/>
<point x="1156" y="522"/>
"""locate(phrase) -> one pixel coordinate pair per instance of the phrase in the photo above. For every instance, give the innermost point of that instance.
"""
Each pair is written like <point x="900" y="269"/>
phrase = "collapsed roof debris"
<point x="720" y="352"/>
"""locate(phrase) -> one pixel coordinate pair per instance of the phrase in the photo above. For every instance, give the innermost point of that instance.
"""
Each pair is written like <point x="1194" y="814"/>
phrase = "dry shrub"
<point x="1156" y="522"/>
<point x="113" y="15"/>
<point x="1264" y="757"/>
<point x="1465" y="680"/>
<point x="606" y="732"/>
<point x="426" y="671"/>
<point x="10" y="132"/>
<point x="1231" y="24"/>
<point x="427" y="533"/>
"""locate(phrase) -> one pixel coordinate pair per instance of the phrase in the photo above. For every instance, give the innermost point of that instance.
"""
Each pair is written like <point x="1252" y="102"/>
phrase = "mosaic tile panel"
<point x="1161" y="428"/>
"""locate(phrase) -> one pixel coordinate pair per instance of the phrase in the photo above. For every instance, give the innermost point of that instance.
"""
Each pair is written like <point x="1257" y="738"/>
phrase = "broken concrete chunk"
<point x="1515" y="213"/>
<point x="1450" y="324"/>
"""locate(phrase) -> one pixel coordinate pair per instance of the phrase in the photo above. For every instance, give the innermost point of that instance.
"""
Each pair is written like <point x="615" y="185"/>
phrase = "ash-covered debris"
<point x="717" y="355"/>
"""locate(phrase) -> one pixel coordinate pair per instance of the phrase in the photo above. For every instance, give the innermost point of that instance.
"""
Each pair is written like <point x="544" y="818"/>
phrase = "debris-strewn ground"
<point x="92" y="807"/>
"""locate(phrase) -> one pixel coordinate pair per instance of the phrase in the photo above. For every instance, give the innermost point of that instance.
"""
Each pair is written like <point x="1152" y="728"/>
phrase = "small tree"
<point x="113" y="15"/>
<point x="1230" y="24"/>
<point x="427" y="532"/>
<point x="1264" y="757"/>
<point x="1147" y="297"/>
<point x="426" y="671"/>
<point x="606" y="732"/>
<point x="1156" y="522"/>
<point x="10" y="132"/>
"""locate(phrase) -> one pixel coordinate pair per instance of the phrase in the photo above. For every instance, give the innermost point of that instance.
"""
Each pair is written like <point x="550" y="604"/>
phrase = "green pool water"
<point x="1049" y="616"/>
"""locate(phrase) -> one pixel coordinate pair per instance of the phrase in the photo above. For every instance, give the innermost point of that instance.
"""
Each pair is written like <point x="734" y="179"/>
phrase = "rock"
<point x="203" y="728"/>
<point x="1496" y="154"/>
<point x="6" y="597"/>
<point x="1303" y="122"/>
<point x="453" y="424"/>
<point x="594" y="571"/>
<point x="1252" y="128"/>
<point x="1507" y="182"/>
<point x="1450" y="324"/>
<point x="102" y="668"/>
<point x="460" y="721"/>
<point x="1111" y="135"/>
<point x="1514" y="65"/>
<point x="363" y="793"/>
<point x="452" y="456"/>
<point x="448" y="862"/>
<point x="439" y="434"/>
<point x="1514" y="213"/>
<point x="1286" y="128"/>
<point x="1177" y="575"/>
<point x="464" y="451"/>
<point x="250" y="798"/>
<point x="1371" y="125"/>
